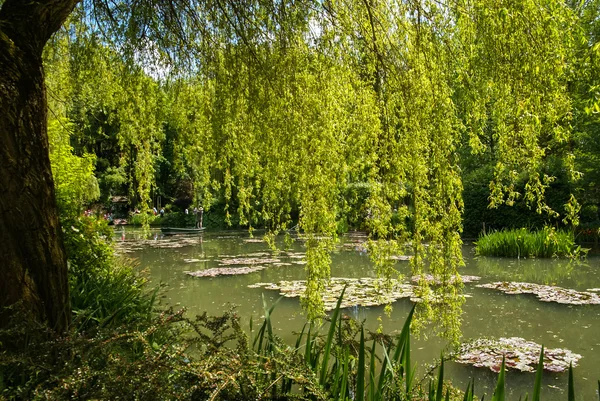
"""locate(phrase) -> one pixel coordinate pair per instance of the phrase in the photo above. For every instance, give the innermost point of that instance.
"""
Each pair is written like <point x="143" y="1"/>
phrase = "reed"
<point x="372" y="369"/>
<point x="517" y="243"/>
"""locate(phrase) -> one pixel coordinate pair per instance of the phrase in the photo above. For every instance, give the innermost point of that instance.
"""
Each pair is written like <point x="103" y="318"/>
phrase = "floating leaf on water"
<point x="195" y="260"/>
<point x="594" y="289"/>
<point x="247" y="261"/>
<point x="296" y="255"/>
<point x="356" y="245"/>
<point x="257" y="254"/>
<point x="430" y="279"/>
<point x="546" y="293"/>
<point x="520" y="355"/>
<point x="258" y="285"/>
<point x="359" y="291"/>
<point x="401" y="257"/>
<point x="253" y="241"/>
<point x="225" y="271"/>
<point x="169" y="242"/>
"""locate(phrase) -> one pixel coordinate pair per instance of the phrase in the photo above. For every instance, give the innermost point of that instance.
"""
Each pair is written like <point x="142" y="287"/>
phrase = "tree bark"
<point x="33" y="266"/>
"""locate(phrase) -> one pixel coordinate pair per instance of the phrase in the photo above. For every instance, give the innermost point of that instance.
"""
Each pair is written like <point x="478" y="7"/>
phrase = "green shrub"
<point x="105" y="290"/>
<point x="178" y="219"/>
<point x="545" y="243"/>
<point x="138" y="219"/>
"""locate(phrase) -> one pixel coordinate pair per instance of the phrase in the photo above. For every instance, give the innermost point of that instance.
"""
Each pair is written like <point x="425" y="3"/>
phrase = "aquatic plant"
<point x="432" y="280"/>
<point x="365" y="291"/>
<point x="546" y="243"/>
<point x="546" y="293"/>
<point x="247" y="261"/>
<point x="516" y="353"/>
<point x="225" y="271"/>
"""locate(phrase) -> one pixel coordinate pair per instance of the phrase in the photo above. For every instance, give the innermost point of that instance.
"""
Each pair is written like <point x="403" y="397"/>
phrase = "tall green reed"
<point x="545" y="243"/>
<point x="347" y="369"/>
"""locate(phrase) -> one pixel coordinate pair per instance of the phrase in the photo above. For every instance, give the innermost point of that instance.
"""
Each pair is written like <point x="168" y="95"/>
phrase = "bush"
<point x="105" y="290"/>
<point x="178" y="219"/>
<point x="138" y="219"/>
<point x="545" y="243"/>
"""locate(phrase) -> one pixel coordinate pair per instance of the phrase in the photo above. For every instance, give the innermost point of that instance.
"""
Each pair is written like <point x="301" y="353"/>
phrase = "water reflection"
<point x="564" y="272"/>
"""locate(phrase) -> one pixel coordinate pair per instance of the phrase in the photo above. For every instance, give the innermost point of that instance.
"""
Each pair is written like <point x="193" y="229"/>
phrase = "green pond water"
<point x="487" y="313"/>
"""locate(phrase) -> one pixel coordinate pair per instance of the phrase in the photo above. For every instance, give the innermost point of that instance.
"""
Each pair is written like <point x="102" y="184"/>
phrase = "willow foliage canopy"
<point x="282" y="106"/>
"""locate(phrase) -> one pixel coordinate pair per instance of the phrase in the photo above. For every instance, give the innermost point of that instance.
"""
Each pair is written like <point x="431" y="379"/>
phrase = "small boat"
<point x="177" y="230"/>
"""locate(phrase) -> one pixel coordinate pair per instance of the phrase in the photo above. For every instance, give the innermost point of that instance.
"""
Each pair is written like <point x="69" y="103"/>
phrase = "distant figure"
<point x="199" y="217"/>
<point x="186" y="211"/>
<point x="155" y="211"/>
<point x="162" y="212"/>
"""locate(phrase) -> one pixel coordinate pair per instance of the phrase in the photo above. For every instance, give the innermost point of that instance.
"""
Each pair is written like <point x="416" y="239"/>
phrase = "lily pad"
<point x="546" y="293"/>
<point x="520" y="355"/>
<point x="359" y="291"/>
<point x="159" y="243"/>
<point x="431" y="280"/>
<point x="247" y="261"/>
<point x="225" y="271"/>
<point x="355" y="245"/>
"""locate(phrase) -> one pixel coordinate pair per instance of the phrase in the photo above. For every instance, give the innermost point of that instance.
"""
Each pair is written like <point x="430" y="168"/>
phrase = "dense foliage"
<point x="375" y="115"/>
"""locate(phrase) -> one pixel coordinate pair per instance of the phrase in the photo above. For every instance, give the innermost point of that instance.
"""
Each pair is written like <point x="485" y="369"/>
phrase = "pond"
<point x="487" y="312"/>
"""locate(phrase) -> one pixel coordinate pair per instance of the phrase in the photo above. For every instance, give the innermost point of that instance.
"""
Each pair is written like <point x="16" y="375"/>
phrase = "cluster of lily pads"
<point x="432" y="280"/>
<point x="519" y="354"/>
<point x="228" y="271"/>
<point x="359" y="291"/>
<point x="245" y="264"/>
<point x="546" y="293"/>
<point x="159" y="243"/>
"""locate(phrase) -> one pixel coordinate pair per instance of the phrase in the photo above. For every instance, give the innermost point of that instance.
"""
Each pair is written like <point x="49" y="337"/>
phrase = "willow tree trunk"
<point x="33" y="265"/>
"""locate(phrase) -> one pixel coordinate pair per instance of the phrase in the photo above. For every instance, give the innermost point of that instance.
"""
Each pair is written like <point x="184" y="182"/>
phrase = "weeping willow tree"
<point x="280" y="106"/>
<point x="298" y="104"/>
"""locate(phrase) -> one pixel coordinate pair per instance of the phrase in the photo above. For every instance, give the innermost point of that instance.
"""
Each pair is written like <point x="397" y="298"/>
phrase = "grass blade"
<point x="385" y="365"/>
<point x="469" y="391"/>
<point x="405" y="332"/>
<point x="327" y="350"/>
<point x="372" y="394"/>
<point x="299" y="339"/>
<point x="499" y="392"/>
<point x="571" y="390"/>
<point x="537" y="386"/>
<point x="440" y="383"/>
<point x="360" y="377"/>
<point x="307" y="349"/>
<point x="344" y="385"/>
